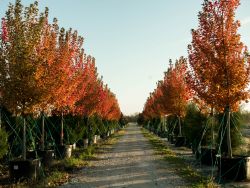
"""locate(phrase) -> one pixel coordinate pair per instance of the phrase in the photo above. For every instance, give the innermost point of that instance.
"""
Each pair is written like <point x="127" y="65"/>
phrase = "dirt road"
<point x="131" y="162"/>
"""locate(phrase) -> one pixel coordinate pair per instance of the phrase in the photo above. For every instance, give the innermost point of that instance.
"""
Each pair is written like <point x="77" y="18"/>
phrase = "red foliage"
<point x="219" y="67"/>
<point x="176" y="92"/>
<point x="171" y="95"/>
<point x="4" y="34"/>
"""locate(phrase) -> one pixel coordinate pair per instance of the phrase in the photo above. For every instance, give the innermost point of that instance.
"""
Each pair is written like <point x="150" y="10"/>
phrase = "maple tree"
<point x="175" y="91"/>
<point x="44" y="69"/>
<point x="69" y="75"/>
<point x="47" y="68"/>
<point x="20" y="37"/>
<point x="219" y="64"/>
<point x="150" y="110"/>
<point x="109" y="109"/>
<point x="21" y="31"/>
<point x="60" y="70"/>
<point x="88" y="102"/>
<point x="67" y="63"/>
<point x="171" y="94"/>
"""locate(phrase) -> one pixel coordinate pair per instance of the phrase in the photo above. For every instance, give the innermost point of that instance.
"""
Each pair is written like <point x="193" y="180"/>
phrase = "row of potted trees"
<point x="215" y="77"/>
<point x="78" y="132"/>
<point x="204" y="135"/>
<point x="45" y="75"/>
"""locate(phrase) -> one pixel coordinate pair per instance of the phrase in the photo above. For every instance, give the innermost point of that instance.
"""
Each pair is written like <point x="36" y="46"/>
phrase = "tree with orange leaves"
<point x="60" y="71"/>
<point x="68" y="66"/>
<point x="112" y="110"/>
<point x="20" y="36"/>
<point x="94" y="97"/>
<point x="150" y="110"/>
<point x="43" y="69"/>
<point x="175" y="91"/>
<point x="153" y="111"/>
<point x="171" y="94"/>
<point x="89" y="95"/>
<point x="219" y="65"/>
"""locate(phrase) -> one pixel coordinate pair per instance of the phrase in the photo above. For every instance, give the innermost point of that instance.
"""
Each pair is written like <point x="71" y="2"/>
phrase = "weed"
<point x="55" y="178"/>
<point x="184" y="170"/>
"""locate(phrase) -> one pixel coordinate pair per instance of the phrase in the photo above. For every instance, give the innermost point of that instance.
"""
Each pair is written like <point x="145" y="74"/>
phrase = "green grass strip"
<point x="190" y="175"/>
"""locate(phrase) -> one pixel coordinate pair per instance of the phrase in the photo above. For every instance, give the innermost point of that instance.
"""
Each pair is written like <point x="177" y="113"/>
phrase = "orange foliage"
<point x="219" y="66"/>
<point x="171" y="95"/>
<point x="44" y="68"/>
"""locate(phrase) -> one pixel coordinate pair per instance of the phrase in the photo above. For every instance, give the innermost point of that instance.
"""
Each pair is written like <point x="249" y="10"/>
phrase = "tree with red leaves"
<point x="20" y="36"/>
<point x="61" y="70"/>
<point x="89" y="94"/>
<point x="219" y="65"/>
<point x="150" y="110"/>
<point x="44" y="69"/>
<point x="171" y="95"/>
<point x="175" y="91"/>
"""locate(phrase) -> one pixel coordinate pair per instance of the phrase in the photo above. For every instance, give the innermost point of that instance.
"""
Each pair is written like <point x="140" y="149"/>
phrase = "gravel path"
<point x="131" y="162"/>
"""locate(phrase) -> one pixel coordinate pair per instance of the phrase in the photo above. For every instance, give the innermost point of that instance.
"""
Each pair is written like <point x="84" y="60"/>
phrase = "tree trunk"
<point x="164" y="123"/>
<point x="212" y="128"/>
<point x="61" y="136"/>
<point x="212" y="133"/>
<point x="24" y="139"/>
<point x="229" y="143"/>
<point x="42" y="139"/>
<point x="179" y="123"/>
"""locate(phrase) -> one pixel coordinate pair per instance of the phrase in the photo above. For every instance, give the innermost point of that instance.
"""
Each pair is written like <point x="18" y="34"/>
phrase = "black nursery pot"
<point x="31" y="154"/>
<point x="172" y="139"/>
<point x="168" y="136"/>
<point x="180" y="141"/>
<point x="24" y="169"/>
<point x="163" y="134"/>
<point x="60" y="151"/>
<point x="194" y="147"/>
<point x="188" y="144"/>
<point x="47" y="157"/>
<point x="236" y="168"/>
<point x="197" y="154"/>
<point x="208" y="156"/>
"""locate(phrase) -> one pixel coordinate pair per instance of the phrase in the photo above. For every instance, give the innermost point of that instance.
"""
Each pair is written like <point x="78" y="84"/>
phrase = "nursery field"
<point x="62" y="125"/>
<point x="142" y="159"/>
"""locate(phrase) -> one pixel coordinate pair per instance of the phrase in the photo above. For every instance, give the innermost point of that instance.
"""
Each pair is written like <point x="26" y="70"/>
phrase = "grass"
<point x="190" y="175"/>
<point x="55" y="178"/>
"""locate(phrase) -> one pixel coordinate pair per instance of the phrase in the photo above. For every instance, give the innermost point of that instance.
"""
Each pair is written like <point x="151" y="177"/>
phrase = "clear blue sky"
<point x="132" y="40"/>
